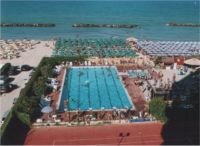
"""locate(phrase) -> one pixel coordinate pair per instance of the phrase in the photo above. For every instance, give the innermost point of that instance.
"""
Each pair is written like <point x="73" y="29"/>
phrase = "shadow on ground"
<point x="182" y="127"/>
<point x="15" y="133"/>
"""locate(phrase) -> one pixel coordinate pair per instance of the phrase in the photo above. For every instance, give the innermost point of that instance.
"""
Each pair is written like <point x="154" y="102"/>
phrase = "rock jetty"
<point x="26" y="25"/>
<point x="106" y="25"/>
<point x="183" y="24"/>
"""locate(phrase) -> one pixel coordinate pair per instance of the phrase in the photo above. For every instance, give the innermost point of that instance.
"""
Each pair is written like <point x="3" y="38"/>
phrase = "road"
<point x="6" y="99"/>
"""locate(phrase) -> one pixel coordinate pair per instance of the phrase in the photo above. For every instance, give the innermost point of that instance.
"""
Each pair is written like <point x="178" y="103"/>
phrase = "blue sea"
<point x="151" y="16"/>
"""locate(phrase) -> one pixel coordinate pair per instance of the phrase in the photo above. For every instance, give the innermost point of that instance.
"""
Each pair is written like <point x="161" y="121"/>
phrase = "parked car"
<point x="13" y="70"/>
<point x="26" y="67"/>
<point x="4" y="87"/>
<point x="15" y="100"/>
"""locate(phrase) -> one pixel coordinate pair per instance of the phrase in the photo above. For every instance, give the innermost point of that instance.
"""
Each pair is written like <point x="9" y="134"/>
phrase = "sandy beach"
<point x="31" y="57"/>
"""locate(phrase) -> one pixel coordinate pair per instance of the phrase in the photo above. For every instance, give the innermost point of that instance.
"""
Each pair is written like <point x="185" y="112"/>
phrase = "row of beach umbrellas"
<point x="93" y="47"/>
<point x="170" y="48"/>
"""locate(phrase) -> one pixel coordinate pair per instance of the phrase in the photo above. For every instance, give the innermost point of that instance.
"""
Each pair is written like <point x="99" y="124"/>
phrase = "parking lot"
<point x="6" y="99"/>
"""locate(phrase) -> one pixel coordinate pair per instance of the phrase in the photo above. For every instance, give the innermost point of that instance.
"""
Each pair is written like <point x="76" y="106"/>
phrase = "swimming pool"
<point x="93" y="88"/>
<point x="137" y="73"/>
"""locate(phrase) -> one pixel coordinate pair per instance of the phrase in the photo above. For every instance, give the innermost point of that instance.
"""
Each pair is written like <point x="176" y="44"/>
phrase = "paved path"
<point x="6" y="100"/>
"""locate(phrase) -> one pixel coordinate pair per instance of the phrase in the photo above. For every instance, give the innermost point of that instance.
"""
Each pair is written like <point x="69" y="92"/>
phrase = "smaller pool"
<point x="137" y="73"/>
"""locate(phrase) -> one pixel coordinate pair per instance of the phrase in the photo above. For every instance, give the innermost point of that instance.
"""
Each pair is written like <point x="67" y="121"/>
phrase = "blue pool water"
<point x="137" y="73"/>
<point x="95" y="88"/>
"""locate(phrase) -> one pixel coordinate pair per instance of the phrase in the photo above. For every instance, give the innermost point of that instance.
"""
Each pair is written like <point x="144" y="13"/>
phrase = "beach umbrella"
<point x="131" y="39"/>
<point x="46" y="109"/>
<point x="193" y="62"/>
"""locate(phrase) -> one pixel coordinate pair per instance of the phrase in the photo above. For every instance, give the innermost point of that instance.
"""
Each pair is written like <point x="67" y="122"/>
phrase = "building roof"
<point x="168" y="60"/>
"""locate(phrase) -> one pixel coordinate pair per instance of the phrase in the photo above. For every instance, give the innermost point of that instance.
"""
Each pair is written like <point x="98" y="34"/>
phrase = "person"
<point x="185" y="68"/>
<point x="174" y="77"/>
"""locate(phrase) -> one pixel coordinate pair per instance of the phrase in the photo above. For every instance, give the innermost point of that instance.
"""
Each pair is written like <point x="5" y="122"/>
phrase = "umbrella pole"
<point x="69" y="117"/>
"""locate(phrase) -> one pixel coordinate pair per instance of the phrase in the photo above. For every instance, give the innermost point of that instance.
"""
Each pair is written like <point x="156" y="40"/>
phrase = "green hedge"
<point x="26" y="109"/>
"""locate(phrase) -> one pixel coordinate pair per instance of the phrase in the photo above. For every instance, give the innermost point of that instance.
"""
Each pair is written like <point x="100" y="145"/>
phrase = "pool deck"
<point x="63" y="79"/>
<point x="134" y="93"/>
<point x="55" y="95"/>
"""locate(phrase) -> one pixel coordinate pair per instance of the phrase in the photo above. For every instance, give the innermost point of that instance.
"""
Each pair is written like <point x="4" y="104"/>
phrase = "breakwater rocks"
<point x="183" y="24"/>
<point x="26" y="25"/>
<point x="106" y="25"/>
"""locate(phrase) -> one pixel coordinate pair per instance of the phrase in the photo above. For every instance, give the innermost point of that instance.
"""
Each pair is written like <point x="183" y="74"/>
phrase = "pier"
<point x="183" y="24"/>
<point x="106" y="25"/>
<point x="27" y="25"/>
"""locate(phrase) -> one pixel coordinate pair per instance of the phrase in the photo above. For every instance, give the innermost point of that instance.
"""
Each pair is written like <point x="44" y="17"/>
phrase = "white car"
<point x="15" y="100"/>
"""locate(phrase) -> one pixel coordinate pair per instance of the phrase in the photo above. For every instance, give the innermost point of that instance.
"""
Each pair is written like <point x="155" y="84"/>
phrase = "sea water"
<point x="151" y="16"/>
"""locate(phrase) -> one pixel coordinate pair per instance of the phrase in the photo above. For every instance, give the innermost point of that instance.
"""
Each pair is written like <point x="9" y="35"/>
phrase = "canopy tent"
<point x="46" y="109"/>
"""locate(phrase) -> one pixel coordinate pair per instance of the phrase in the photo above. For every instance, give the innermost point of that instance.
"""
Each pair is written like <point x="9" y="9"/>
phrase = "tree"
<point x="45" y="70"/>
<point x="5" y="69"/>
<point x="39" y="87"/>
<point x="22" y="105"/>
<point x="157" y="108"/>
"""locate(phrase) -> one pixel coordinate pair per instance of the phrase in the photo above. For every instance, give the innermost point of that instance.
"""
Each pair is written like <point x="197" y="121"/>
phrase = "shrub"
<point x="39" y="87"/>
<point x="157" y="108"/>
<point x="22" y="105"/>
<point x="24" y="118"/>
<point x="45" y="70"/>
